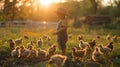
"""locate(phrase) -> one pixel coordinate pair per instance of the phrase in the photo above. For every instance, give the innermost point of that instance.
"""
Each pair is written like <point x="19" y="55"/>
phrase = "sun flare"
<point x="44" y="22"/>
<point x="46" y="2"/>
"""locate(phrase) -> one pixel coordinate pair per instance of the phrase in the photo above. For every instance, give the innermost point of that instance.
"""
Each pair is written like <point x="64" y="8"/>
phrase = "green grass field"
<point x="89" y="32"/>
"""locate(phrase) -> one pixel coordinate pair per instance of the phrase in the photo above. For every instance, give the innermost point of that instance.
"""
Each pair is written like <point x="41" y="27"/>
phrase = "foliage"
<point x="13" y="11"/>
<point x="96" y="4"/>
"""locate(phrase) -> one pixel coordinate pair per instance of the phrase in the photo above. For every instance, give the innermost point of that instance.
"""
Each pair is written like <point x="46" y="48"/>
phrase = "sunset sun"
<point x="46" y="2"/>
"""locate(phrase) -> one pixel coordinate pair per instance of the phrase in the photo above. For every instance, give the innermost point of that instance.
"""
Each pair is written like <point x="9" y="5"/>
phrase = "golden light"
<point x="106" y="2"/>
<point x="46" y="2"/>
<point x="44" y="22"/>
<point x="11" y="0"/>
<point x="19" y="4"/>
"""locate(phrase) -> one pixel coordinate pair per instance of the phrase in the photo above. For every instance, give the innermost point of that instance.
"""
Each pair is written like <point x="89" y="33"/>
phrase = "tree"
<point x="95" y="5"/>
<point x="14" y="9"/>
<point x="1" y="11"/>
<point x="10" y="9"/>
<point x="117" y="3"/>
<point x="74" y="11"/>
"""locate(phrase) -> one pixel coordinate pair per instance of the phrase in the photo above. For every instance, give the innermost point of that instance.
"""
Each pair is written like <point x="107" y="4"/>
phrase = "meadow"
<point x="89" y="32"/>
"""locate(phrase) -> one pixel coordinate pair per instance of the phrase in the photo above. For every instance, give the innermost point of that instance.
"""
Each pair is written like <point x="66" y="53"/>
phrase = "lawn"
<point x="89" y="32"/>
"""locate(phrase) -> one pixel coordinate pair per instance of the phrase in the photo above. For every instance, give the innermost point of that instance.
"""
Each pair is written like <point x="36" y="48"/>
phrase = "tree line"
<point x="30" y="9"/>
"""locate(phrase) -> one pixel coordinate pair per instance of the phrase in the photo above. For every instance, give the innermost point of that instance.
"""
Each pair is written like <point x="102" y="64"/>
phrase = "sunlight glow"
<point x="57" y="1"/>
<point x="49" y="2"/>
<point x="1" y="6"/>
<point x="19" y="4"/>
<point x="44" y="22"/>
<point x="107" y="2"/>
<point x="28" y="4"/>
<point x="46" y="2"/>
<point x="11" y="0"/>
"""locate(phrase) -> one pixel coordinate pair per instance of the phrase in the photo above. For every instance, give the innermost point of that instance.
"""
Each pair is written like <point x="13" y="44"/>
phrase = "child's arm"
<point x="63" y="28"/>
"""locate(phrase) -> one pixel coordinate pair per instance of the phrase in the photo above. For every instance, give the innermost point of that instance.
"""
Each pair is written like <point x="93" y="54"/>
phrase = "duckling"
<point x="12" y="44"/>
<point x="83" y="44"/>
<point x="30" y="44"/>
<point x="34" y="52"/>
<point x="48" y="38"/>
<point x="79" y="37"/>
<point x="92" y="43"/>
<point x="39" y="42"/>
<point x="110" y="45"/>
<point x="16" y="52"/>
<point x="45" y="36"/>
<point x="77" y="54"/>
<point x="96" y="55"/>
<point x="22" y="48"/>
<point x="19" y="41"/>
<point x="26" y="37"/>
<point x="98" y="36"/>
<point x="25" y="53"/>
<point x="51" y="50"/>
<point x="108" y="38"/>
<point x="70" y="36"/>
<point x="115" y="38"/>
<point x="104" y="49"/>
<point x="88" y="50"/>
<point x="42" y="54"/>
<point x="57" y="60"/>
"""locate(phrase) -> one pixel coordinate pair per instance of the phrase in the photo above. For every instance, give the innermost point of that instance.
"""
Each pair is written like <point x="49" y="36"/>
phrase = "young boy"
<point x="61" y="32"/>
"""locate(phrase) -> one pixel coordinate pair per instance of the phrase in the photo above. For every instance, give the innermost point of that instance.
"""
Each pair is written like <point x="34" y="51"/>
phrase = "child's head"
<point x="61" y="12"/>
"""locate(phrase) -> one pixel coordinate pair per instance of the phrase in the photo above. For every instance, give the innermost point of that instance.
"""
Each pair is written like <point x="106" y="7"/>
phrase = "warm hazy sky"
<point x="64" y="0"/>
<point x="47" y="2"/>
<point x="106" y="2"/>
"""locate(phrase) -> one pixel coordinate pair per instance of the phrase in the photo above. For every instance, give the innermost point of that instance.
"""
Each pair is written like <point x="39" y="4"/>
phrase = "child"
<point x="61" y="32"/>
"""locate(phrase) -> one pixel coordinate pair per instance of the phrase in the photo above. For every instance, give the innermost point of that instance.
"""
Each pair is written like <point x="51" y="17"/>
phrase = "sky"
<point x="47" y="2"/>
<point x="106" y="2"/>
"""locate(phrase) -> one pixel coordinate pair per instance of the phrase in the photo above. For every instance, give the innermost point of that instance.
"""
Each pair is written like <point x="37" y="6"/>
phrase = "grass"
<point x="88" y="31"/>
